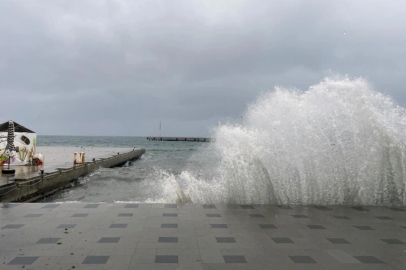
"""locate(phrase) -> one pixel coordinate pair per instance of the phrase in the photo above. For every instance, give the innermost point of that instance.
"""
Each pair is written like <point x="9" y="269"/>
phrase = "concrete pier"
<point x="124" y="236"/>
<point x="180" y="139"/>
<point x="29" y="184"/>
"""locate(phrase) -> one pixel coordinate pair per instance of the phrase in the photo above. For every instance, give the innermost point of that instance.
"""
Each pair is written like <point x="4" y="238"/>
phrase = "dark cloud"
<point x="119" y="67"/>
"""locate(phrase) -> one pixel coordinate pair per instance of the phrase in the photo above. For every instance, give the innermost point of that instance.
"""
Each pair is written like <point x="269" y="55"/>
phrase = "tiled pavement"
<point x="196" y="236"/>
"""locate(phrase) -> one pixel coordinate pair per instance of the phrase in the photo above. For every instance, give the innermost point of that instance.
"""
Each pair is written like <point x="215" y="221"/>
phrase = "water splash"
<point x="338" y="143"/>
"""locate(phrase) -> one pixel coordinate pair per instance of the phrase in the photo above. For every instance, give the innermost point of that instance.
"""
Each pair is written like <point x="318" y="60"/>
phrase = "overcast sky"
<point x="119" y="67"/>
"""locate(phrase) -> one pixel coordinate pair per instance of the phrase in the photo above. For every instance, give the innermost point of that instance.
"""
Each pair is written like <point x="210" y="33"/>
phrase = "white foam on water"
<point x="338" y="143"/>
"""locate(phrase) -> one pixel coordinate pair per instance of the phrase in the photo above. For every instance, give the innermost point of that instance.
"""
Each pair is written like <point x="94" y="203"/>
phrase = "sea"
<point x="340" y="142"/>
<point x="134" y="181"/>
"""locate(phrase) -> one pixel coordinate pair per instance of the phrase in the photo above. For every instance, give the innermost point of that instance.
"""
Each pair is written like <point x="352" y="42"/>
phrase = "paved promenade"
<point x="194" y="236"/>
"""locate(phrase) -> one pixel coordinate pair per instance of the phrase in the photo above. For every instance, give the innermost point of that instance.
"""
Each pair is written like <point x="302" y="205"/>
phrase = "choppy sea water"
<point x="340" y="142"/>
<point x="132" y="182"/>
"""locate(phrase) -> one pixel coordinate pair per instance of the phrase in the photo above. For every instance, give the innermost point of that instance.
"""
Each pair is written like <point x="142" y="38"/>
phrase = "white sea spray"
<point x="338" y="143"/>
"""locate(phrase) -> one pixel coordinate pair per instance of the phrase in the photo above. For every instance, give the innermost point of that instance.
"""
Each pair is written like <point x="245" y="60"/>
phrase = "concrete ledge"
<point x="24" y="189"/>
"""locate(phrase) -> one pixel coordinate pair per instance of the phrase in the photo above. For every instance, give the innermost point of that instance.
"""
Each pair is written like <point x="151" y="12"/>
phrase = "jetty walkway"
<point x="180" y="139"/>
<point x="123" y="236"/>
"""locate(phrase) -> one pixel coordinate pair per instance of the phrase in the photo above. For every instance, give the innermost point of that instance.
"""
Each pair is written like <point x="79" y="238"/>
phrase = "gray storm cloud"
<point x="119" y="67"/>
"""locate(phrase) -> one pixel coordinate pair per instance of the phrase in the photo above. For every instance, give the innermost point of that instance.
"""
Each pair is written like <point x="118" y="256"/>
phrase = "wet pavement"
<point x="195" y="236"/>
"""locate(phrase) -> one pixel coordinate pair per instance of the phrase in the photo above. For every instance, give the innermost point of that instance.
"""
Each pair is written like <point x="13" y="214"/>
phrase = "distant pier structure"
<point x="180" y="139"/>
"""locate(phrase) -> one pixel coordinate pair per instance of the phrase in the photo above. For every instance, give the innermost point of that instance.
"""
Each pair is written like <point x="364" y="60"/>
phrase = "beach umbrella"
<point x="10" y="148"/>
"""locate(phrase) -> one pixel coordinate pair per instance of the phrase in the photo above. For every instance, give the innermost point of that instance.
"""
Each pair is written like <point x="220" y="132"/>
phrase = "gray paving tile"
<point x="218" y="226"/>
<point x="364" y="228"/>
<point x="316" y="227"/>
<point x="246" y="206"/>
<point x="118" y="225"/>
<point x="267" y="226"/>
<point x="393" y="241"/>
<point x="282" y="240"/>
<point x="50" y="206"/>
<point x="234" y="259"/>
<point x="300" y="216"/>
<point x="166" y="259"/>
<point x="66" y="226"/>
<point x="225" y="240"/>
<point x="232" y="207"/>
<point x="167" y="240"/>
<point x="169" y="215"/>
<point x="48" y="240"/>
<point x="322" y="208"/>
<point x="33" y="215"/>
<point x="342" y="217"/>
<point x="91" y="205"/>
<point x="125" y="215"/>
<point x="284" y="207"/>
<point x="213" y="215"/>
<point x="170" y="206"/>
<point x="384" y="218"/>
<point x="23" y="261"/>
<point x="302" y="259"/>
<point x="12" y="226"/>
<point x="211" y="255"/>
<point x="359" y="208"/>
<point x="109" y="240"/>
<point x="338" y="241"/>
<point x="368" y="259"/>
<point x="96" y="260"/>
<point x="256" y="216"/>
<point x="80" y="215"/>
<point x="131" y="205"/>
<point x="169" y="225"/>
<point x="209" y="206"/>
<point x="341" y="256"/>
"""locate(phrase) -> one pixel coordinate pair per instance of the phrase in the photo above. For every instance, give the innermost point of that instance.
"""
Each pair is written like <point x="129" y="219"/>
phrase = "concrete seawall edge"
<point x="41" y="185"/>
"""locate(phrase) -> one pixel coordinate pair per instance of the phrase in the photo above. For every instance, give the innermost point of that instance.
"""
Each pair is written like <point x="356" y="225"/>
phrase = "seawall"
<point x="40" y="185"/>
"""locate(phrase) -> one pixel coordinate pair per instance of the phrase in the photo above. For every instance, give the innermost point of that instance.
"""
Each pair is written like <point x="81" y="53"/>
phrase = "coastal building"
<point x="25" y="141"/>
